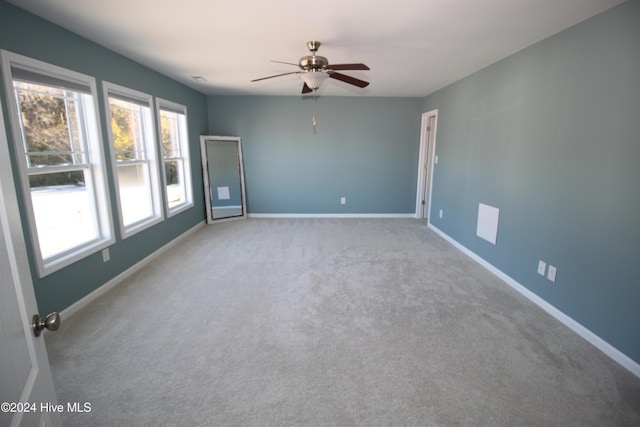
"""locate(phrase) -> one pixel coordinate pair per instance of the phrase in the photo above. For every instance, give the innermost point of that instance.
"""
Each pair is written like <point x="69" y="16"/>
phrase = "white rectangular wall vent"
<point x="488" y="223"/>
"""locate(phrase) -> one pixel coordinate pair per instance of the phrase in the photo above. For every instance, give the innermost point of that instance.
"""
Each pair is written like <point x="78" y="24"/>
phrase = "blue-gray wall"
<point x="28" y="35"/>
<point x="364" y="149"/>
<point x="551" y="136"/>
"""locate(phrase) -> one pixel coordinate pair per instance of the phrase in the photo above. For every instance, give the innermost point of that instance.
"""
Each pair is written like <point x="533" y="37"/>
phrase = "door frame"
<point x="426" y="158"/>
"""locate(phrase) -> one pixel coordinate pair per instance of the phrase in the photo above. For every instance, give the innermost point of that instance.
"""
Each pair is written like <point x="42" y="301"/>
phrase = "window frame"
<point x="151" y="152"/>
<point x="185" y="157"/>
<point x="94" y="163"/>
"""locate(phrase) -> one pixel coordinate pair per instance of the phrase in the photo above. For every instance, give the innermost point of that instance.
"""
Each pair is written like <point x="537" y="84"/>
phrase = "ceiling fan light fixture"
<point x="314" y="78"/>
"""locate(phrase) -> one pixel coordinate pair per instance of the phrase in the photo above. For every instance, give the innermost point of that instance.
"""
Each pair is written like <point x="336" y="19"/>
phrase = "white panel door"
<point x="25" y="375"/>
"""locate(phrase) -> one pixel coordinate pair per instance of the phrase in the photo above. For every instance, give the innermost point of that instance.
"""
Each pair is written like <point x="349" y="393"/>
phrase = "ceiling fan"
<point x="315" y="69"/>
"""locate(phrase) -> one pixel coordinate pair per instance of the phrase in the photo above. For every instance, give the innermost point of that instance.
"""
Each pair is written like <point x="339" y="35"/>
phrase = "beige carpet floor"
<point x="328" y="322"/>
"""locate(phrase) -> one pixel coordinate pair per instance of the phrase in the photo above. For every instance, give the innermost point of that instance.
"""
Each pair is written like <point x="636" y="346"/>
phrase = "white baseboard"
<point x="576" y="327"/>
<point x="88" y="299"/>
<point x="321" y="215"/>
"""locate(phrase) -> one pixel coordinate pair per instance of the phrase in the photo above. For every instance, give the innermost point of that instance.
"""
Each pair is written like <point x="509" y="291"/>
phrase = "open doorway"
<point x="425" y="163"/>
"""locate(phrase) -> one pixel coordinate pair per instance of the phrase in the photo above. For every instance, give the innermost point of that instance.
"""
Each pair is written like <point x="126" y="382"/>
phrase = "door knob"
<point x="51" y="322"/>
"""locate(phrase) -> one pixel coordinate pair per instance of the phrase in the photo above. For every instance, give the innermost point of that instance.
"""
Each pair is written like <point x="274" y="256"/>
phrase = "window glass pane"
<point x="170" y="133"/>
<point x="175" y="183"/>
<point x="136" y="158"/>
<point x="63" y="210"/>
<point x="127" y="128"/>
<point x="56" y="136"/>
<point x="175" y="151"/>
<point x="135" y="197"/>
<point x="50" y="124"/>
<point x="51" y="159"/>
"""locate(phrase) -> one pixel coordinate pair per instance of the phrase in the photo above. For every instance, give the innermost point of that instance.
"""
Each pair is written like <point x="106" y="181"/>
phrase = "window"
<point x="60" y="160"/>
<point x="175" y="156"/>
<point x="134" y="157"/>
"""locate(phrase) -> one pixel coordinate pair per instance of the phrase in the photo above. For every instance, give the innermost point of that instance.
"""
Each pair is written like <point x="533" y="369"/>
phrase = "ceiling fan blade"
<point x="306" y="88"/>
<point x="348" y="79"/>
<point x="277" y="75"/>
<point x="358" y="66"/>
<point x="283" y="62"/>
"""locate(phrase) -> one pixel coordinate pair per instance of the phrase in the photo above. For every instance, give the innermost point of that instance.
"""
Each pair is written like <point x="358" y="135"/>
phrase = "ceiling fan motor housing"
<point x="313" y="62"/>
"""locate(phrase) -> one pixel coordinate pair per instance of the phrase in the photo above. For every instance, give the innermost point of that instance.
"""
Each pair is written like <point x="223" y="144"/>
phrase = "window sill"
<point x="51" y="265"/>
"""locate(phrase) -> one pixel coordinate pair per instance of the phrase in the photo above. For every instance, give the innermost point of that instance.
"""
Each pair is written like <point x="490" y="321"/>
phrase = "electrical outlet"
<point x="542" y="267"/>
<point x="105" y="255"/>
<point x="551" y="274"/>
<point x="343" y="200"/>
<point x="440" y="213"/>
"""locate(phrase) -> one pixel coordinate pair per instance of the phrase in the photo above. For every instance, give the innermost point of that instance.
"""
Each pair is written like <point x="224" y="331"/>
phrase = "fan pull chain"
<point x="315" y="110"/>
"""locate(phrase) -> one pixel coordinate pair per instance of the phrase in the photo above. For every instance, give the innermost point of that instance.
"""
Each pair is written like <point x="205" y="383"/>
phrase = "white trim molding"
<point x="595" y="340"/>
<point x="334" y="215"/>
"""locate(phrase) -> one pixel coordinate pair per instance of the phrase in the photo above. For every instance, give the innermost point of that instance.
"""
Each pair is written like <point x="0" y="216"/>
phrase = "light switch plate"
<point x="551" y="274"/>
<point x="542" y="267"/>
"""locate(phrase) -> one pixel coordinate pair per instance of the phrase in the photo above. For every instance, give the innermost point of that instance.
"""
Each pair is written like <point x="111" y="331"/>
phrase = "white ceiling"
<point x="413" y="47"/>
